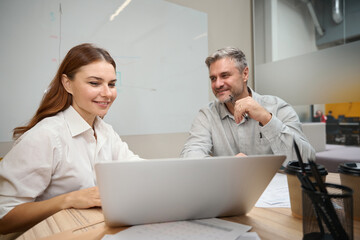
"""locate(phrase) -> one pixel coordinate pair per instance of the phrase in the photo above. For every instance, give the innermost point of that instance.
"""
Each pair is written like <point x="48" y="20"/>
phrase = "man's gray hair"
<point x="233" y="53"/>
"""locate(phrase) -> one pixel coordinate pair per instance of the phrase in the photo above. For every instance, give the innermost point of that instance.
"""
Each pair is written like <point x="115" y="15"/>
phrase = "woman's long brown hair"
<point x="56" y="98"/>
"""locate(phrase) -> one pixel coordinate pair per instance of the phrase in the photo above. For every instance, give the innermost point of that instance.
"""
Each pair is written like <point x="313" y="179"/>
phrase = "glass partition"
<point x="308" y="53"/>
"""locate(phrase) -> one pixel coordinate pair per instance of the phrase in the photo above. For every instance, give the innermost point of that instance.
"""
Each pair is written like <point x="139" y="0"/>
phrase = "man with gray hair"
<point x="240" y="121"/>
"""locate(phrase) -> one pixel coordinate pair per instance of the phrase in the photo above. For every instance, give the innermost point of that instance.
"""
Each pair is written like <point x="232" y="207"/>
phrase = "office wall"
<point x="5" y="147"/>
<point x="283" y="29"/>
<point x="158" y="48"/>
<point x="150" y="146"/>
<point x="229" y="23"/>
<point x="349" y="109"/>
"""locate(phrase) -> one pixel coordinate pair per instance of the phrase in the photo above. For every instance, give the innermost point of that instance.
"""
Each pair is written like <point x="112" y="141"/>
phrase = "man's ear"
<point x="245" y="74"/>
<point x="66" y="82"/>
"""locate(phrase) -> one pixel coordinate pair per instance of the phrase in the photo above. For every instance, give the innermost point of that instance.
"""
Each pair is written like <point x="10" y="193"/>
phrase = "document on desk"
<point x="203" y="229"/>
<point x="276" y="194"/>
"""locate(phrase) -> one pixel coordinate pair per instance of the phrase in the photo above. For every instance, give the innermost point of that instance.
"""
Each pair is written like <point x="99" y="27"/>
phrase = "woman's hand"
<point x="84" y="198"/>
<point x="26" y="215"/>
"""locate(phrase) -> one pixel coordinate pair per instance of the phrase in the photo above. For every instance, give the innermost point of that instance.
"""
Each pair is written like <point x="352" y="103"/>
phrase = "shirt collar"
<point x="75" y="122"/>
<point x="254" y="95"/>
<point x="223" y="111"/>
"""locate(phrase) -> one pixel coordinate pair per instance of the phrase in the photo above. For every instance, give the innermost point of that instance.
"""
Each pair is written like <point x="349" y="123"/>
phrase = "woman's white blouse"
<point x="57" y="156"/>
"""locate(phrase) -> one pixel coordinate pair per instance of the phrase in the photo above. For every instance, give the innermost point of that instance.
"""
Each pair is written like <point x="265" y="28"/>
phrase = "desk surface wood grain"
<point x="268" y="223"/>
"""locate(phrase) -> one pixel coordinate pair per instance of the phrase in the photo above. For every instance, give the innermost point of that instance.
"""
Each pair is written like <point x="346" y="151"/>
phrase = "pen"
<point x="245" y="115"/>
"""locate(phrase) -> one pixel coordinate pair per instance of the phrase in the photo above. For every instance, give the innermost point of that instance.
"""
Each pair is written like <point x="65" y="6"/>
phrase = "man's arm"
<point x="280" y="127"/>
<point x="199" y="142"/>
<point x="282" y="130"/>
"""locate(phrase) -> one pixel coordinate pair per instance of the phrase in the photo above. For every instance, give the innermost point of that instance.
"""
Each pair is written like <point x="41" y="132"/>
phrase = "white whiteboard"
<point x="159" y="48"/>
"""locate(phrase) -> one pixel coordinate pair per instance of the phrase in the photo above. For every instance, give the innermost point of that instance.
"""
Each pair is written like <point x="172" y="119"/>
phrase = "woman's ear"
<point x="66" y="82"/>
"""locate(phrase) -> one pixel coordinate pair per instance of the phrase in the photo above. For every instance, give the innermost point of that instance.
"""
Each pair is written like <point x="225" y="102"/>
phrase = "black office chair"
<point x="316" y="119"/>
<point x="332" y="130"/>
<point x="341" y="118"/>
<point x="351" y="131"/>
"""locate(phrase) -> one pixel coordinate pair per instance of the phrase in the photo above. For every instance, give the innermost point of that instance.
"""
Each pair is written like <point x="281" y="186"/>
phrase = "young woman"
<point x="51" y="165"/>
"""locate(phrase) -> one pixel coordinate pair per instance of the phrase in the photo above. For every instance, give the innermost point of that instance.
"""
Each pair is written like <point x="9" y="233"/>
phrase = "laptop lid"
<point x="161" y="190"/>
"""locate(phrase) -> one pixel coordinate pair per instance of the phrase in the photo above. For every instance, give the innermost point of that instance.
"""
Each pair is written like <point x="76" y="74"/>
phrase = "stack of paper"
<point x="276" y="194"/>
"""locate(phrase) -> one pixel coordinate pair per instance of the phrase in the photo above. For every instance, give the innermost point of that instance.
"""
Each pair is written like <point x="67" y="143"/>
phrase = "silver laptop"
<point x="162" y="190"/>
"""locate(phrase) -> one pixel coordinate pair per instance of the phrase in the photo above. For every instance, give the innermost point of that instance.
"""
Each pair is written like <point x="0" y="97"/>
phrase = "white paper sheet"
<point x="276" y="194"/>
<point x="204" y="229"/>
<point x="249" y="236"/>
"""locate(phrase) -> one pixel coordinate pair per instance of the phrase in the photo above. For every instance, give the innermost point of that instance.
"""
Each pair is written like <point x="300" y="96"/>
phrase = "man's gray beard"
<point x="226" y="100"/>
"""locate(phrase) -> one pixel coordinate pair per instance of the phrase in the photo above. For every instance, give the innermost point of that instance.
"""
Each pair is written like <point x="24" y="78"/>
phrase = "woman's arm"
<point x="26" y="215"/>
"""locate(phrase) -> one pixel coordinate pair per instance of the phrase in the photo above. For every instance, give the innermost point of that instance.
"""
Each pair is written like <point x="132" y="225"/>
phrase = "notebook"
<point x="162" y="190"/>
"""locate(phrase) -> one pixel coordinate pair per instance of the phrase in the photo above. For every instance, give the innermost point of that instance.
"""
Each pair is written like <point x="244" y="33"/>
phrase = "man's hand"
<point x="240" y="155"/>
<point x="253" y="109"/>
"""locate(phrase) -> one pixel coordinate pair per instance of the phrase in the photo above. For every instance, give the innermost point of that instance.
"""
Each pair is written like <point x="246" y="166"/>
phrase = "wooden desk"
<point x="268" y="223"/>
